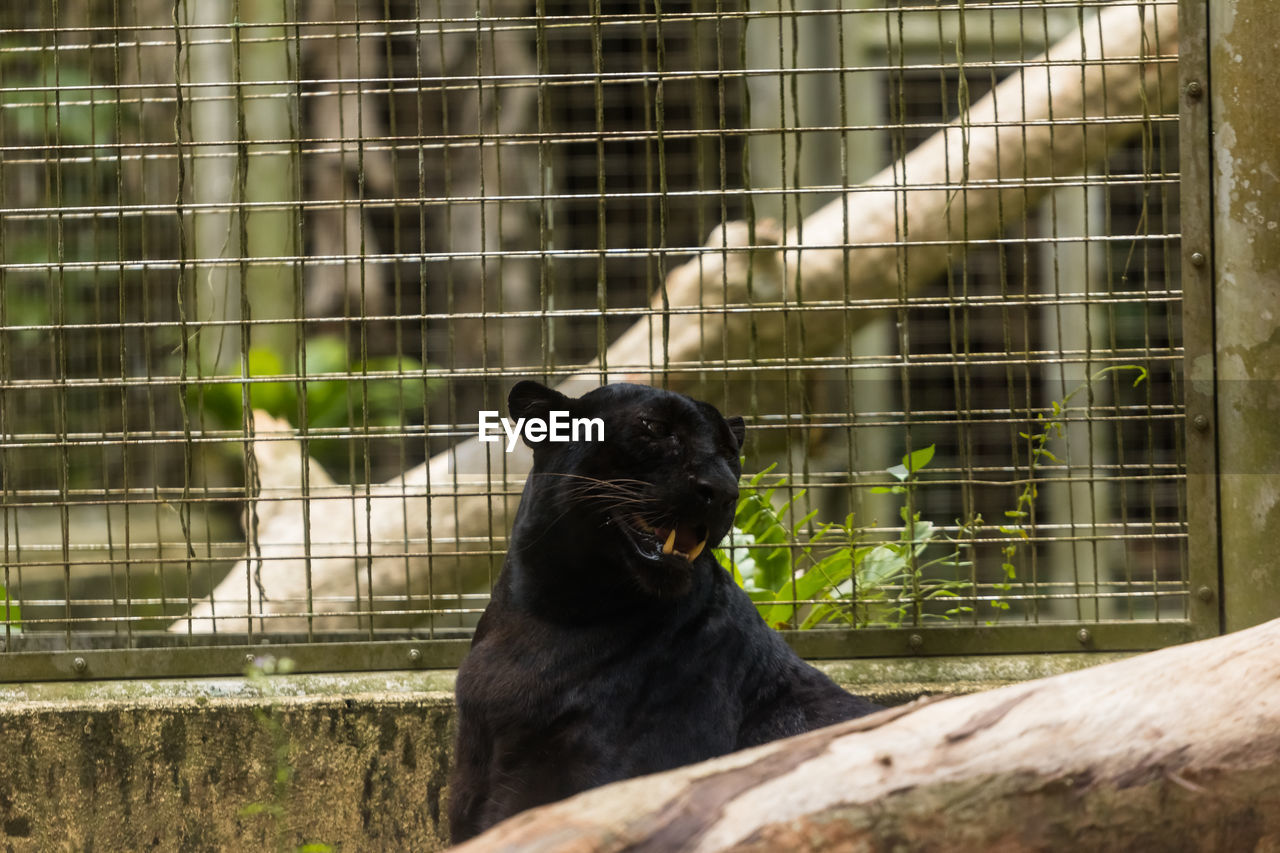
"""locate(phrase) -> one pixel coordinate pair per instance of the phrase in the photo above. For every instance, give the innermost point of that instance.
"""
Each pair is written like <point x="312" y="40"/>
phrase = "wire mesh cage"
<point x="265" y="262"/>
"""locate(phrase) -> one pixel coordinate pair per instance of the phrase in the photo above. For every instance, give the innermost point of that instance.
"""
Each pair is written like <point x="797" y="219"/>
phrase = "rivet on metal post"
<point x="915" y="641"/>
<point x="80" y="664"/>
<point x="1205" y="594"/>
<point x="414" y="655"/>
<point x="1200" y="422"/>
<point x="1197" y="259"/>
<point x="248" y="660"/>
<point x="1194" y="90"/>
<point x="1084" y="636"/>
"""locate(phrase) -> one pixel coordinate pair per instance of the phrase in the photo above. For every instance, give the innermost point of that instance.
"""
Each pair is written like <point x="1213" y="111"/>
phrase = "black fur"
<point x="598" y="658"/>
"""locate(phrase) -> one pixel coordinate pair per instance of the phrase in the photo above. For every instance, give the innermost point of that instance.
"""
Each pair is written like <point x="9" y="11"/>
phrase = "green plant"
<point x="340" y="396"/>
<point x="47" y="101"/>
<point x="10" y="612"/>
<point x="277" y="808"/>
<point x="898" y="583"/>
<point x="1022" y="516"/>
<point x="762" y="552"/>
<point x="832" y="574"/>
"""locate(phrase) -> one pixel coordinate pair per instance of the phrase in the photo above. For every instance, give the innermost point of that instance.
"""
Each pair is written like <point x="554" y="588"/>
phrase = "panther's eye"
<point x="655" y="429"/>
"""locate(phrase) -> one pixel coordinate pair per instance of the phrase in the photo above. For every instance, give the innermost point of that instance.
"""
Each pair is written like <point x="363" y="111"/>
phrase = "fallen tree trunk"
<point x="1174" y="750"/>
<point x="734" y="305"/>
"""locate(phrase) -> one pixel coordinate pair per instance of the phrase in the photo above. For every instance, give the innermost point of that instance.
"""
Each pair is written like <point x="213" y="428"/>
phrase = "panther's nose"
<point x="714" y="493"/>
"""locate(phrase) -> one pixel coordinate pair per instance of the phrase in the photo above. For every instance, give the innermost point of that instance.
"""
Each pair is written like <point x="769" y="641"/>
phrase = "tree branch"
<point x="1174" y="750"/>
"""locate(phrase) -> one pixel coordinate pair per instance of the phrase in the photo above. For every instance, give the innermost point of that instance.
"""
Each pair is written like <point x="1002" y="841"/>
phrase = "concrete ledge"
<point x="354" y="761"/>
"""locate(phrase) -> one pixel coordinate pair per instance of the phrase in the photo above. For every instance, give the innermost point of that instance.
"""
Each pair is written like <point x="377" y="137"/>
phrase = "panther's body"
<point x="615" y="645"/>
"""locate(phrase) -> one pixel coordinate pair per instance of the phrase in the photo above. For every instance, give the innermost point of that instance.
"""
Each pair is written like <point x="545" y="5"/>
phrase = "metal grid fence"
<point x="265" y="261"/>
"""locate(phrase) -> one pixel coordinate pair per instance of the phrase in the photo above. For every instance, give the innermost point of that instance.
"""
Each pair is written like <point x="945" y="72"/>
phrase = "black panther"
<point x="615" y="644"/>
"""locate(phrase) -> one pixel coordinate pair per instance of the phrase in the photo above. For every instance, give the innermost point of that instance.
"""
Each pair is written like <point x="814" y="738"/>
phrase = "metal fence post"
<point x="1243" y="34"/>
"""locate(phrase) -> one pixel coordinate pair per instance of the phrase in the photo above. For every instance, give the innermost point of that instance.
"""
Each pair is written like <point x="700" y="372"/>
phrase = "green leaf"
<point x="10" y="612"/>
<point x="821" y="533"/>
<point x="263" y="361"/>
<point x="817" y="582"/>
<point x="922" y="533"/>
<point x="726" y="563"/>
<point x="745" y="519"/>
<point x="326" y="354"/>
<point x="917" y="459"/>
<point x="759" y="520"/>
<point x="946" y="560"/>
<point x="389" y="399"/>
<point x="758" y="478"/>
<point x="827" y="613"/>
<point x="803" y="521"/>
<point x="787" y="504"/>
<point x="326" y="403"/>
<point x="774" y="568"/>
<point x="880" y="566"/>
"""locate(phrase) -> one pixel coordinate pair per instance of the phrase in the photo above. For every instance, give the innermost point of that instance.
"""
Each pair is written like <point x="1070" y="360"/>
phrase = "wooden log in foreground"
<point x="1061" y="115"/>
<point x="1169" y="751"/>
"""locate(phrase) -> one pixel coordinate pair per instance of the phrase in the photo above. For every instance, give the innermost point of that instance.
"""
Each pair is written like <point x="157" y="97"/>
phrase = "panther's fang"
<point x="670" y="544"/>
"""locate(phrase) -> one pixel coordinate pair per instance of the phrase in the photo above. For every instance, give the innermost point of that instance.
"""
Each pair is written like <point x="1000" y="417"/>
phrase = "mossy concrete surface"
<point x="355" y="762"/>
<point x="192" y="765"/>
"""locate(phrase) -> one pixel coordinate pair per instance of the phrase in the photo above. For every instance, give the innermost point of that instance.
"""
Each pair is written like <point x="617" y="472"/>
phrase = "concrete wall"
<point x="174" y="766"/>
<point x="362" y="760"/>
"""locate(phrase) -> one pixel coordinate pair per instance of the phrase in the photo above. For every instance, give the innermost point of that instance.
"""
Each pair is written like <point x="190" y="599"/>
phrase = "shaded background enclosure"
<point x="370" y="218"/>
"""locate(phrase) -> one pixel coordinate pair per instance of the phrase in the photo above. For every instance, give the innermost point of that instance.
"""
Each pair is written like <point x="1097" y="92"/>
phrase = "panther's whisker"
<point x="604" y="493"/>
<point x="616" y="482"/>
<point x="608" y="486"/>
<point x="596" y="490"/>
<point x="607" y="495"/>
<point x="621" y="502"/>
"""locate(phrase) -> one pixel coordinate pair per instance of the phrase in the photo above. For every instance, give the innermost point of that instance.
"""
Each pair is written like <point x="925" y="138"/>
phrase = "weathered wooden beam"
<point x="1173" y="750"/>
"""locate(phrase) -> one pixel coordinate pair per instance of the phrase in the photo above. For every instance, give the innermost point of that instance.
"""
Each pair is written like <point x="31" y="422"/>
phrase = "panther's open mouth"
<point x="681" y="540"/>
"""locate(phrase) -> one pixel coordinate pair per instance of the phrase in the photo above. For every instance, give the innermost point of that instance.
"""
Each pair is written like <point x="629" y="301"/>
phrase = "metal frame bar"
<point x="1199" y="388"/>
<point x="382" y="655"/>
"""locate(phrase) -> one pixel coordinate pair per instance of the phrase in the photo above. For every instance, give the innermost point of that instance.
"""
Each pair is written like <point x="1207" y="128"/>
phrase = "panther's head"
<point x="655" y="491"/>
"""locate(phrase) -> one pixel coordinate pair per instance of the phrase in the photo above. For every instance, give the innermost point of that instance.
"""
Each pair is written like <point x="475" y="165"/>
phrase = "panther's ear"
<point x="535" y="400"/>
<point x="738" y="427"/>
